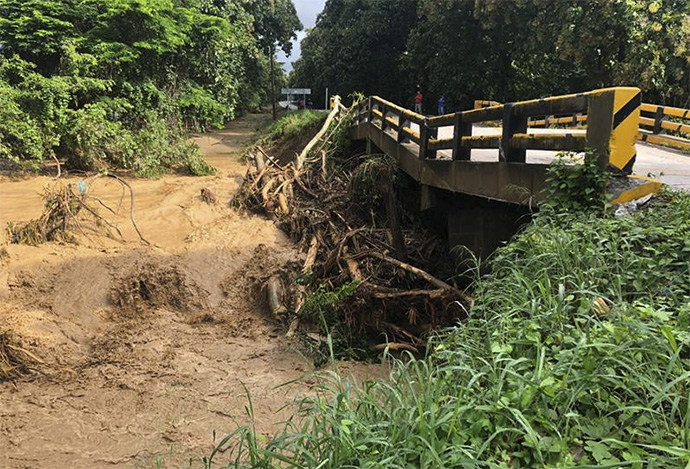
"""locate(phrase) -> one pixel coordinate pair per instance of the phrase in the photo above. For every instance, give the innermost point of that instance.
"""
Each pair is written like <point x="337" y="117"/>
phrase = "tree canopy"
<point x="493" y="49"/>
<point x="118" y="81"/>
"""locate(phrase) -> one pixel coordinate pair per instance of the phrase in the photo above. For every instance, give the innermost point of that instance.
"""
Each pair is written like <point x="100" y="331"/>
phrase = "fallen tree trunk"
<point x="420" y="273"/>
<point x="397" y="346"/>
<point x="299" y="162"/>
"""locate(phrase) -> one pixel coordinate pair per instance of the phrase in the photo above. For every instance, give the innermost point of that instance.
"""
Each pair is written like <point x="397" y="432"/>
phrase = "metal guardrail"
<point x="611" y="116"/>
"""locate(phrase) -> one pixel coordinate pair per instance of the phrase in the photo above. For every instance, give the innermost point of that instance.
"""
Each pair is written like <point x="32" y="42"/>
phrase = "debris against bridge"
<point x="372" y="276"/>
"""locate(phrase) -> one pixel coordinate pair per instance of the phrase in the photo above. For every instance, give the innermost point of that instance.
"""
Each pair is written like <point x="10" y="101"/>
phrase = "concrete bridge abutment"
<point x="479" y="224"/>
<point x="484" y="226"/>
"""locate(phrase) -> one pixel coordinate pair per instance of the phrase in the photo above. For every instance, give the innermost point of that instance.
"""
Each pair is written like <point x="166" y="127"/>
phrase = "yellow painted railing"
<point x="611" y="117"/>
<point x="655" y="126"/>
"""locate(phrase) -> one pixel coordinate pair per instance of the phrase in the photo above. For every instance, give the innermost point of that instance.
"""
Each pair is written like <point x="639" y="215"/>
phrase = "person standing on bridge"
<point x="418" y="102"/>
<point x="441" y="105"/>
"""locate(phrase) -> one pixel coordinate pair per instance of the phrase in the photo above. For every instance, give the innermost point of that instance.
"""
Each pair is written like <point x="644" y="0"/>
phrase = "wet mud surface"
<point x="146" y="351"/>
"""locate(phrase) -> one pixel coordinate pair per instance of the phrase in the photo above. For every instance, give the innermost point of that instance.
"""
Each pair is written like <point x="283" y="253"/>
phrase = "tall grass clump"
<point x="575" y="354"/>
<point x="291" y="125"/>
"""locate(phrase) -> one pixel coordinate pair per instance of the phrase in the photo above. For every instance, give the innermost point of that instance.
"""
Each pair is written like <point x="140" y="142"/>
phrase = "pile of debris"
<point x="149" y="286"/>
<point x="63" y="205"/>
<point x="15" y="360"/>
<point x="371" y="271"/>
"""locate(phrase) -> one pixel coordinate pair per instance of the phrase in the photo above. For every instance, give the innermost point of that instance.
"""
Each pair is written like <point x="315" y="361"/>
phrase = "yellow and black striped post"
<point x="613" y="118"/>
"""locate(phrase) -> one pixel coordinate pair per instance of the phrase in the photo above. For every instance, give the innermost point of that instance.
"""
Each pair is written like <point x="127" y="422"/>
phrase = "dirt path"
<point x="147" y="349"/>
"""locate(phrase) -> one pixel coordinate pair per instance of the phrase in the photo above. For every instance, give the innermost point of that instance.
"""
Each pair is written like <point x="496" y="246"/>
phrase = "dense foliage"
<point x="495" y="49"/>
<point x="576" y="353"/>
<point x="356" y="46"/>
<point x="117" y="82"/>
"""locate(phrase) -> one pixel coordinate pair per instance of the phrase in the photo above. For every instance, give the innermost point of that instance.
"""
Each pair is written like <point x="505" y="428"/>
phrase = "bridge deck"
<point x="518" y="183"/>
<point x="460" y="151"/>
<point x="672" y="167"/>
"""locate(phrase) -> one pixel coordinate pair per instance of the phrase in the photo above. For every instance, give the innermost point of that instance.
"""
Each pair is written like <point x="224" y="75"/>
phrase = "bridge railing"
<point x="575" y="119"/>
<point x="655" y="124"/>
<point x="655" y="120"/>
<point x="612" y="117"/>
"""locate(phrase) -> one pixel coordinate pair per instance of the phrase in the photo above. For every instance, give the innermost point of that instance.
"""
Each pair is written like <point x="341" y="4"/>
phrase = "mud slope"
<point x="145" y="350"/>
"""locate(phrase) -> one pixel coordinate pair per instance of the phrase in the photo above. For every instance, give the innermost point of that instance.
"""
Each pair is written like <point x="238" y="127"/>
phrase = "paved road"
<point x="670" y="166"/>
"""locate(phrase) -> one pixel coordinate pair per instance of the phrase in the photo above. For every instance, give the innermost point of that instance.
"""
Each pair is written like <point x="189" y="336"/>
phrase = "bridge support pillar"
<point x="482" y="225"/>
<point x="371" y="148"/>
<point x="483" y="229"/>
<point x="428" y="197"/>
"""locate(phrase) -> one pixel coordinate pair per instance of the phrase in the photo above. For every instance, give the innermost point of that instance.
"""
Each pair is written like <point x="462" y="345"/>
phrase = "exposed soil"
<point x="134" y="355"/>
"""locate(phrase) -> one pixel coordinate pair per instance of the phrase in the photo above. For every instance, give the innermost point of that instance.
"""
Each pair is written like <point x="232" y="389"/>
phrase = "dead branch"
<point x="353" y="269"/>
<point x="131" y="205"/>
<point x="294" y="325"/>
<point x="386" y="295"/>
<point x="25" y="352"/>
<point x="283" y="203"/>
<point x="96" y="215"/>
<point x="299" y="161"/>
<point x="274" y="292"/>
<point x="260" y="162"/>
<point x="271" y="159"/>
<point x="418" y="272"/>
<point x="57" y="162"/>
<point x="266" y="189"/>
<point x="258" y="178"/>
<point x="399" y="330"/>
<point x="396" y="346"/>
<point x="311" y="255"/>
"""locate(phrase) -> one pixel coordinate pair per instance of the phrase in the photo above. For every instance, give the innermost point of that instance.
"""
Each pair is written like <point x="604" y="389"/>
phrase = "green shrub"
<point x="576" y="187"/>
<point x="21" y="138"/>
<point x="91" y="140"/>
<point x="201" y="110"/>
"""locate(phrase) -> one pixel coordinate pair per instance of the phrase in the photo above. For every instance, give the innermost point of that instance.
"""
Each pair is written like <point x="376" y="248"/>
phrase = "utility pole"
<point x="273" y="83"/>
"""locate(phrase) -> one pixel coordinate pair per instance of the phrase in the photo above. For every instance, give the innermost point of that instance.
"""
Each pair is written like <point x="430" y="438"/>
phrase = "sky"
<point x="307" y="10"/>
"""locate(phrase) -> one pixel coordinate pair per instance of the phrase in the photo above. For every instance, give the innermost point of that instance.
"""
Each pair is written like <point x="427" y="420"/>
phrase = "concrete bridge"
<point x="497" y="154"/>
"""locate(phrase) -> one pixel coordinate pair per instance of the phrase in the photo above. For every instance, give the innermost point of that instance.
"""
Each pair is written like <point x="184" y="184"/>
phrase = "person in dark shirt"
<point x="441" y="105"/>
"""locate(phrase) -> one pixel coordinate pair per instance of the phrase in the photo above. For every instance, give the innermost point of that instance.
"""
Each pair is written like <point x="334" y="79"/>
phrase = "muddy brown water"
<point x="146" y="386"/>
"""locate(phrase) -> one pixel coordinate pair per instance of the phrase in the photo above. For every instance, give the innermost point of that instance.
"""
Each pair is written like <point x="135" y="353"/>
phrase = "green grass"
<point x="290" y="126"/>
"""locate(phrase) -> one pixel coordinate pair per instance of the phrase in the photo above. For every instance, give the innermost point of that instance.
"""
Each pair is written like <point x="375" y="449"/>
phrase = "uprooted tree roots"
<point x="367" y="278"/>
<point x="63" y="206"/>
<point x="14" y="359"/>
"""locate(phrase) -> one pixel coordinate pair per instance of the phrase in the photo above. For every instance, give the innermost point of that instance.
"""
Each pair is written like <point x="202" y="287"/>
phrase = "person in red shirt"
<point x="418" y="102"/>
